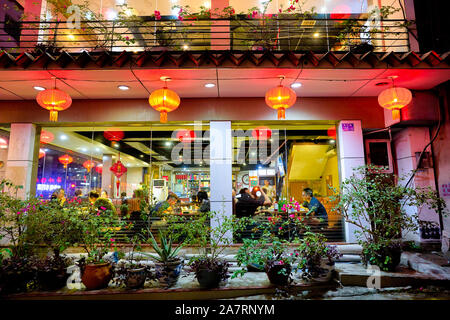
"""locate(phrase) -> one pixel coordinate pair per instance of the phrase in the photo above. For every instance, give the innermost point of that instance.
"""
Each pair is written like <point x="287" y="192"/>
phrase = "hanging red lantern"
<point x="118" y="169"/>
<point x="46" y="137"/>
<point x="114" y="134"/>
<point x="280" y="98"/>
<point x="65" y="160"/>
<point x="99" y="168"/>
<point x="58" y="179"/>
<point x="331" y="132"/>
<point x="186" y="136"/>
<point x="41" y="153"/>
<point x="43" y="180"/>
<point x="54" y="100"/>
<point x="164" y="100"/>
<point x="262" y="133"/>
<point x="394" y="99"/>
<point x="89" y="164"/>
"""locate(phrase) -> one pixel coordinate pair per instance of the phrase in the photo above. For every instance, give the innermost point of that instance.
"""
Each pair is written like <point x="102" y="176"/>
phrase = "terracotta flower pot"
<point x="96" y="276"/>
<point x="168" y="273"/>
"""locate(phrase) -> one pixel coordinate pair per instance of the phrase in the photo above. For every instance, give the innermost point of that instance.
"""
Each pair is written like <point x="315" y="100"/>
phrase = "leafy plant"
<point x="164" y="253"/>
<point x="376" y="203"/>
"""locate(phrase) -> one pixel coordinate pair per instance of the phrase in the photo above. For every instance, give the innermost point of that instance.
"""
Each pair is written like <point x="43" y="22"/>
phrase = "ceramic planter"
<point x="136" y="278"/>
<point x="168" y="273"/>
<point x="325" y="272"/>
<point x="274" y="275"/>
<point x="208" y="278"/>
<point x="96" y="276"/>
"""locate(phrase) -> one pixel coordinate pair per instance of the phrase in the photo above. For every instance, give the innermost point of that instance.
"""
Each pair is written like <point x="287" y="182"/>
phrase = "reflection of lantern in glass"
<point x="58" y="179"/>
<point x="331" y="132"/>
<point x="99" y="168"/>
<point x="186" y="136"/>
<point x="114" y="135"/>
<point x="394" y="99"/>
<point x="41" y="153"/>
<point x="164" y="100"/>
<point x="46" y="137"/>
<point x="43" y="180"/>
<point x="3" y="143"/>
<point x="118" y="169"/>
<point x="89" y="164"/>
<point x="280" y="98"/>
<point x="65" y="160"/>
<point x="54" y="100"/>
<point x="262" y="133"/>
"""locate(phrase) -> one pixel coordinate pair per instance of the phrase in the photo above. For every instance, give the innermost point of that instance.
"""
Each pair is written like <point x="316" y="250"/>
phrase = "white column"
<point x="107" y="176"/>
<point x="134" y="178"/>
<point x="350" y="155"/>
<point x="23" y="151"/>
<point x="406" y="143"/>
<point x="220" y="169"/>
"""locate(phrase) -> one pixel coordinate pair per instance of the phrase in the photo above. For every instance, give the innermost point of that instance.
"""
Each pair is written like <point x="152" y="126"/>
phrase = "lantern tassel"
<point x="396" y="114"/>
<point x="53" y="116"/>
<point x="163" y="117"/>
<point x="281" y="113"/>
<point x="117" y="187"/>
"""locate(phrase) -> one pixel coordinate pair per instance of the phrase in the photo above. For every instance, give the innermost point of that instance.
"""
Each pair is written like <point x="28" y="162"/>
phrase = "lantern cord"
<point x="61" y="79"/>
<point x="131" y="69"/>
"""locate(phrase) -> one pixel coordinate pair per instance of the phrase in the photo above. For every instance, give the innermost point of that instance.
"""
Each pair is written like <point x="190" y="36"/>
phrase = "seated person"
<point x="203" y="200"/>
<point x="162" y="206"/>
<point x="93" y="196"/>
<point x="314" y="205"/>
<point x="247" y="203"/>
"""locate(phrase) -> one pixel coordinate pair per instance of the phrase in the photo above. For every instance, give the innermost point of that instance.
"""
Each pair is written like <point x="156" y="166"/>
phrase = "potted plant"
<point x="376" y="202"/>
<point x="211" y="232"/>
<point x="168" y="264"/>
<point x="132" y="274"/>
<point x="99" y="229"/>
<point x="316" y="258"/>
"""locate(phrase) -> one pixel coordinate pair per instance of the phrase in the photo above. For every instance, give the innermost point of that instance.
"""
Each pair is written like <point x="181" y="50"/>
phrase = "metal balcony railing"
<point x="278" y="34"/>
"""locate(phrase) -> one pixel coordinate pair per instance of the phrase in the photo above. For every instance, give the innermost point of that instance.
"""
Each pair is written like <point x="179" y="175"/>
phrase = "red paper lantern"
<point x="280" y="98"/>
<point x="118" y="169"/>
<point x="46" y="137"/>
<point x="54" y="100"/>
<point x="186" y="135"/>
<point x="164" y="100"/>
<point x="43" y="180"/>
<point x="394" y="99"/>
<point x="262" y="133"/>
<point x="99" y="168"/>
<point x="65" y="160"/>
<point x="89" y="164"/>
<point x="114" y="134"/>
<point x="59" y="180"/>
<point x="41" y="153"/>
<point x="332" y="132"/>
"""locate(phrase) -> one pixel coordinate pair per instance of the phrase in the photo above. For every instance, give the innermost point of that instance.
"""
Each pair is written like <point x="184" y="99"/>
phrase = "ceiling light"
<point x="63" y="137"/>
<point x="71" y="36"/>
<point x="83" y="149"/>
<point x="185" y="47"/>
<point x="210" y="85"/>
<point x="168" y="143"/>
<point x="316" y="35"/>
<point x="296" y="85"/>
<point x="123" y="87"/>
<point x="39" y="88"/>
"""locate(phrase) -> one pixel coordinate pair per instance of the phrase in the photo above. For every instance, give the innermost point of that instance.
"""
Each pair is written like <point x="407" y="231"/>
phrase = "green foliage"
<point x="164" y="253"/>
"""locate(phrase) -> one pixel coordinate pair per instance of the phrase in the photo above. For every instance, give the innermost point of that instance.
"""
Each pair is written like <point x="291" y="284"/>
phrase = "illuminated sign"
<point x="48" y="187"/>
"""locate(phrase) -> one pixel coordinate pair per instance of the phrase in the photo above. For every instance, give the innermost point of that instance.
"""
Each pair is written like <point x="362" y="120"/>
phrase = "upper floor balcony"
<point x="67" y="26"/>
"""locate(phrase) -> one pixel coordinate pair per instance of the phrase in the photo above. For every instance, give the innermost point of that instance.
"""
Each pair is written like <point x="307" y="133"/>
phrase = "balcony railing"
<point x="279" y="34"/>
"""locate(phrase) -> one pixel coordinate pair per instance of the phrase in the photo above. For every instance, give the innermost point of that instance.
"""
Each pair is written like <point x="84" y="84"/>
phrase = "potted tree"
<point x="99" y="229"/>
<point x="376" y="202"/>
<point x="168" y="264"/>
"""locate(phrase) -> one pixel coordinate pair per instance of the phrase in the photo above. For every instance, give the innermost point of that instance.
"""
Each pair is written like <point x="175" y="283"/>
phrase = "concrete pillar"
<point x="220" y="30"/>
<point x="134" y="178"/>
<point x="220" y="169"/>
<point x="407" y="143"/>
<point x="107" y="175"/>
<point x="350" y="155"/>
<point x="3" y="162"/>
<point x="23" y="154"/>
